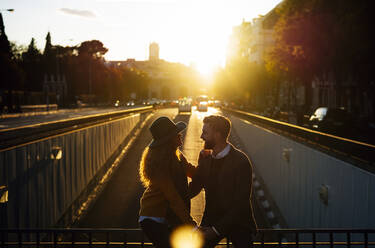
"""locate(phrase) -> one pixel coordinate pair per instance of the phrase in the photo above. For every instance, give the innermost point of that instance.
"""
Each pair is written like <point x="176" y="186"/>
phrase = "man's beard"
<point x="209" y="145"/>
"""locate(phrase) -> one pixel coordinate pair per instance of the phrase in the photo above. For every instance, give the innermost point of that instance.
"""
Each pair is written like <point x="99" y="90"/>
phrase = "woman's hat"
<point x="162" y="129"/>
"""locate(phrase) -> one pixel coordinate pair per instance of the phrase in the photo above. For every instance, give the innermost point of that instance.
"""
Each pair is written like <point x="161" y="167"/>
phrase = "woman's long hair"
<point x="155" y="162"/>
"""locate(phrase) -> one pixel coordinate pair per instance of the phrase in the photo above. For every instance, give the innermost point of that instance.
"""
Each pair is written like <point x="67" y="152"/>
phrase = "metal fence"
<point x="135" y="238"/>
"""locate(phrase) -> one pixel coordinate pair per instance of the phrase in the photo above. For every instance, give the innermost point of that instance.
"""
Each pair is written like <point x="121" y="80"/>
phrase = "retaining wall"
<point x="43" y="179"/>
<point x="311" y="188"/>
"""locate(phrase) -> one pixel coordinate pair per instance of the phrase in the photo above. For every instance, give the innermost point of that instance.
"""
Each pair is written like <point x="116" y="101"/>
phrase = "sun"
<point x="205" y="68"/>
<point x="200" y="40"/>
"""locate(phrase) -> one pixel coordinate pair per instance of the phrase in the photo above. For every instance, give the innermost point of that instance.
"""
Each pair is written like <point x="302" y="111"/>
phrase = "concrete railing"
<point x="42" y="180"/>
<point x="311" y="188"/>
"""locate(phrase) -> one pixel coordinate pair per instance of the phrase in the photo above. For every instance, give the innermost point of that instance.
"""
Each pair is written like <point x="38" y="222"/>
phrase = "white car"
<point x="130" y="104"/>
<point x="184" y="106"/>
<point x="202" y="106"/>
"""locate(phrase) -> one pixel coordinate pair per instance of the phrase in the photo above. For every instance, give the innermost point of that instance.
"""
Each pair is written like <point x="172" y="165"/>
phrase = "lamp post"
<point x="90" y="77"/>
<point x="1" y="17"/>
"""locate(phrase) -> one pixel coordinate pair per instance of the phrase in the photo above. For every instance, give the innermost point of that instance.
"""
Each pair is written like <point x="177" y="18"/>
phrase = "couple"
<point x="224" y="172"/>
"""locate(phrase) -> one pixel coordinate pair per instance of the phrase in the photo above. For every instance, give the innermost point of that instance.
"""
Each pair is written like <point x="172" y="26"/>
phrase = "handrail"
<point x="362" y="153"/>
<point x="87" y="117"/>
<point x="97" y="237"/>
<point x="260" y="230"/>
<point x="12" y="137"/>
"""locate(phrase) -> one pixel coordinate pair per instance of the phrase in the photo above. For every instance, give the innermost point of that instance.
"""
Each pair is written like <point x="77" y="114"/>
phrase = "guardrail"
<point x="40" y="107"/>
<point x="13" y="137"/>
<point x="75" y="237"/>
<point x="362" y="154"/>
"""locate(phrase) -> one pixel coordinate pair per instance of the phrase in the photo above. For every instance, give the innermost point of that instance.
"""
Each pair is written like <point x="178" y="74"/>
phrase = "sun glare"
<point x="200" y="39"/>
<point x="186" y="237"/>
<point x="205" y="68"/>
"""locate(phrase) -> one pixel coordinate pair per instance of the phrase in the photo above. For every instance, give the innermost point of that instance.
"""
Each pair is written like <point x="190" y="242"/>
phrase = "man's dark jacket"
<point x="227" y="183"/>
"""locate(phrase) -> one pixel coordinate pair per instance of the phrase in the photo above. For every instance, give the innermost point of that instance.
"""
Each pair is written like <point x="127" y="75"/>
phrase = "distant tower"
<point x="154" y="51"/>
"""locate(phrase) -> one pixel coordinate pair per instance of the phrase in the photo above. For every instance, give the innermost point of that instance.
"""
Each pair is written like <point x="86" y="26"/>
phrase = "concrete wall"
<point x="296" y="174"/>
<point x="44" y="178"/>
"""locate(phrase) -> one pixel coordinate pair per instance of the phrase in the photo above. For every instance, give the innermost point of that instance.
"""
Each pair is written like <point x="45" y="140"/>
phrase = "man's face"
<point x="208" y="135"/>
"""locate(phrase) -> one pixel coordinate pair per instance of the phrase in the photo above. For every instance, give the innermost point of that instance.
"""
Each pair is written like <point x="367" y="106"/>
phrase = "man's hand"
<point x="204" y="154"/>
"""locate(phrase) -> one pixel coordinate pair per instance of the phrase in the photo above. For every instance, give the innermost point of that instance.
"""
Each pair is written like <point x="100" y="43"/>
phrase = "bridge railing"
<point x="360" y="153"/>
<point x="17" y="136"/>
<point x="49" y="171"/>
<point x="73" y="237"/>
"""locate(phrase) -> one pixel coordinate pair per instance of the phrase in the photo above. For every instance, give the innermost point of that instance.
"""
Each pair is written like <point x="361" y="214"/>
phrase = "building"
<point x="262" y="39"/>
<point x="239" y="41"/>
<point x="168" y="80"/>
<point x="154" y="52"/>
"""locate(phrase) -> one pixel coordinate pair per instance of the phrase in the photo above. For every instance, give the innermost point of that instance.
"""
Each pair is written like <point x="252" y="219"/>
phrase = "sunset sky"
<point x="188" y="31"/>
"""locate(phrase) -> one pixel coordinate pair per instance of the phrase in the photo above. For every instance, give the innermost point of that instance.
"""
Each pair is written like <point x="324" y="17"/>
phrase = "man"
<point x="226" y="176"/>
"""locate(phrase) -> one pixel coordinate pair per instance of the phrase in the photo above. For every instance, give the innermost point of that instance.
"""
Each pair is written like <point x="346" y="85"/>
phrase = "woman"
<point x="163" y="170"/>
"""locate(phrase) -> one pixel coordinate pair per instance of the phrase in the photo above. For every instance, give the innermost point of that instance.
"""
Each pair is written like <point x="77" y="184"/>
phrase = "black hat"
<point x="162" y="129"/>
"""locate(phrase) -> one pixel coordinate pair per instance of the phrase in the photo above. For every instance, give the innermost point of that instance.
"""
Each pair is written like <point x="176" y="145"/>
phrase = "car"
<point x="335" y="121"/>
<point x="201" y="98"/>
<point x="130" y="104"/>
<point x="184" y="105"/>
<point x="217" y="104"/>
<point x="117" y="103"/>
<point x="202" y="106"/>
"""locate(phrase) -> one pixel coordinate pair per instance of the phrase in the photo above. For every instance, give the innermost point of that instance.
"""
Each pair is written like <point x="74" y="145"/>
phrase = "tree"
<point x="90" y="55"/>
<point x="323" y="39"/>
<point x="31" y="63"/>
<point x="94" y="49"/>
<point x="49" y="57"/>
<point x="32" y="52"/>
<point x="5" y="48"/>
<point x="48" y="45"/>
<point x="12" y="77"/>
<point x="17" y="51"/>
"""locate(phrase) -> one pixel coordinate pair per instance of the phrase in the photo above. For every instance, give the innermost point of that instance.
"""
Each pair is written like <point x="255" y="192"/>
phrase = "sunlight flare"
<point x="186" y="237"/>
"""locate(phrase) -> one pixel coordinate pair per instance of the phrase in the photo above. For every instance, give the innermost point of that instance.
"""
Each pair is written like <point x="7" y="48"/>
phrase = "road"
<point x="26" y="119"/>
<point x="118" y="204"/>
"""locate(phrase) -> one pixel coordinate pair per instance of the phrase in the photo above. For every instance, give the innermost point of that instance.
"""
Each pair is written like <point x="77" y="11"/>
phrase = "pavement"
<point x="118" y="204"/>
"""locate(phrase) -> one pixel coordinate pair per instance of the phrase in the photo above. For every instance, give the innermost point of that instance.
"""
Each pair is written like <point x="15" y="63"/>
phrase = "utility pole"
<point x="90" y="77"/>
